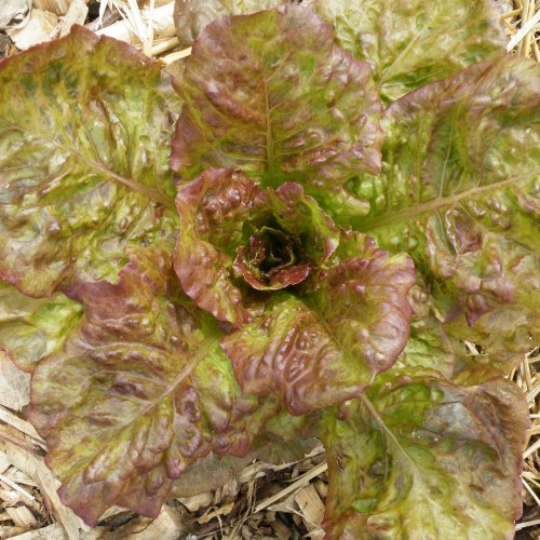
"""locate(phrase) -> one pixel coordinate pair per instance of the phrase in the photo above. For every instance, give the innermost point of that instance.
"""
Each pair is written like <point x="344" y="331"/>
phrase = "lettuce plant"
<point x="292" y="238"/>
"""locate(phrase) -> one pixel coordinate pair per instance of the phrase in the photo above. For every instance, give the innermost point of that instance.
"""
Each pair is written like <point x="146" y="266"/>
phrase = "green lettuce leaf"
<point x="459" y="184"/>
<point x="85" y="124"/>
<point x="419" y="457"/>
<point x="139" y="392"/>
<point x="411" y="43"/>
<point x="31" y="329"/>
<point x="271" y="93"/>
<point x="318" y="349"/>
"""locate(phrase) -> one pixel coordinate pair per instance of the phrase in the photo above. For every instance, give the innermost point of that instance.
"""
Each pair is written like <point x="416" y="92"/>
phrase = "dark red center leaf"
<point x="273" y="260"/>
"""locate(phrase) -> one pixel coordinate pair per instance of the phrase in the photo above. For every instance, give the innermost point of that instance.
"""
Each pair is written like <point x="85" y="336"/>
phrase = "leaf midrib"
<point x="152" y="194"/>
<point x="407" y="458"/>
<point x="409" y="212"/>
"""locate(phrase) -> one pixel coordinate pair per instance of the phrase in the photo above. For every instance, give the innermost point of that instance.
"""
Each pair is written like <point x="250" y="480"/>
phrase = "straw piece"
<point x="173" y="57"/>
<point x="133" y="29"/>
<point x="531" y="449"/>
<point x="302" y="481"/>
<point x="526" y="524"/>
<point x="35" y="468"/>
<point x="16" y="487"/>
<point x="523" y="31"/>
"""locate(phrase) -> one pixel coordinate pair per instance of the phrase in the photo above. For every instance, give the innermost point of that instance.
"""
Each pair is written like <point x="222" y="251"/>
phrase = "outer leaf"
<point x="503" y="336"/>
<point x="271" y="94"/>
<point x="411" y="42"/>
<point x="85" y="125"/>
<point x="426" y="459"/>
<point x="430" y="344"/>
<point x="138" y="393"/>
<point x="460" y="182"/>
<point x="229" y="226"/>
<point x="191" y="16"/>
<point x="31" y="329"/>
<point x="323" y="348"/>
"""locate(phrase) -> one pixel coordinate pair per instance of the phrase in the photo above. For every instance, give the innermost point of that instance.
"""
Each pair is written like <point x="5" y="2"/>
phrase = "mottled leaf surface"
<point x="139" y="392"/>
<point x="272" y="94"/>
<point x="236" y="238"/>
<point x="422" y="458"/>
<point x="85" y="125"/>
<point x="459" y="189"/>
<point x="411" y="43"/>
<point x="321" y="348"/>
<point x="502" y="337"/>
<point x="30" y="329"/>
<point x="191" y="16"/>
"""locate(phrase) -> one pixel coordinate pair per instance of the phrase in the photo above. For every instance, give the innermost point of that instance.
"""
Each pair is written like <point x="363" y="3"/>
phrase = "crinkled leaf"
<point x="85" y="126"/>
<point x="271" y="94"/>
<point x="430" y="346"/>
<point x="212" y="212"/>
<point x="422" y="458"/>
<point x="411" y="42"/>
<point x="191" y="16"/>
<point x="459" y="189"/>
<point x="31" y="329"/>
<point x="137" y="394"/>
<point x="503" y="337"/>
<point x="322" y="348"/>
<point x="235" y="237"/>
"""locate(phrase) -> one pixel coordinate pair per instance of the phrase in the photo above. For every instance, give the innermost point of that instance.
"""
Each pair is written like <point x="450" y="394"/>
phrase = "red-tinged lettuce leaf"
<point x="410" y="43"/>
<point x="420" y="457"/>
<point x="283" y="440"/>
<point x="31" y="329"/>
<point x="459" y="189"/>
<point x="321" y="348"/>
<point x="192" y="16"/>
<point x="236" y="238"/>
<point x="502" y="337"/>
<point x="271" y="94"/>
<point x="85" y="128"/>
<point x="139" y="392"/>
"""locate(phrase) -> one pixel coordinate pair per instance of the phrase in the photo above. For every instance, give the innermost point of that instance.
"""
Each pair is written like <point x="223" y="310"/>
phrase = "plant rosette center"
<point x="273" y="260"/>
<point x="237" y="237"/>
